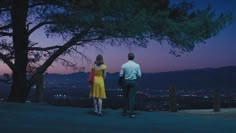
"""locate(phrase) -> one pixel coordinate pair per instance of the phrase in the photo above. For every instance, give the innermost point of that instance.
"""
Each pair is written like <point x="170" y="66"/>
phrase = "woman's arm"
<point x="104" y="73"/>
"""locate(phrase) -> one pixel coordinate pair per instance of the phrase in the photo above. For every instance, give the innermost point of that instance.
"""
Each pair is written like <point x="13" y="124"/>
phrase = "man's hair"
<point x="131" y="56"/>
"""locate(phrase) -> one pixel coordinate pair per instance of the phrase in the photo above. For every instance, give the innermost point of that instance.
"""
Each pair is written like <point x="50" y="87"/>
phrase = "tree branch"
<point x="38" y="26"/>
<point x="4" y="9"/>
<point x="57" y="46"/>
<point x="62" y="49"/>
<point x="73" y="41"/>
<point x="6" y="27"/>
<point x="37" y="4"/>
<point x="5" y="34"/>
<point x="67" y="63"/>
<point x="44" y="49"/>
<point x="7" y="61"/>
<point x="82" y="55"/>
<point x="53" y="2"/>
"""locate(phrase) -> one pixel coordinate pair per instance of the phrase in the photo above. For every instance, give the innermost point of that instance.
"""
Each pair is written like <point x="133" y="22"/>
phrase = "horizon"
<point x="146" y="72"/>
<point x="218" y="51"/>
<point x="155" y="72"/>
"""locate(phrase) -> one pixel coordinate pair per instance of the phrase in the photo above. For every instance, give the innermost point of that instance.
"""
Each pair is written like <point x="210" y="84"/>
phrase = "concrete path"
<point x="34" y="118"/>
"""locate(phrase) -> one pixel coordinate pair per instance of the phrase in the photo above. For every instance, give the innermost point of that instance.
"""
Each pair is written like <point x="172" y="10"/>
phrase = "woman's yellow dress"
<point x="98" y="88"/>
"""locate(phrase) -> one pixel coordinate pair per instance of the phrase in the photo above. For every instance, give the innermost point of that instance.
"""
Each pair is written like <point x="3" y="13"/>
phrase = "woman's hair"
<point x="99" y="60"/>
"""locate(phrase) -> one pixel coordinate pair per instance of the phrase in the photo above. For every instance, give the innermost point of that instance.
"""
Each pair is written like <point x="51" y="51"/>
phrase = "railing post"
<point x="172" y="99"/>
<point x="216" y="100"/>
<point x="39" y="89"/>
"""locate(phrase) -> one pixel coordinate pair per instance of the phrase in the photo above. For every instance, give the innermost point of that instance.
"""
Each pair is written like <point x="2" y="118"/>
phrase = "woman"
<point x="97" y="91"/>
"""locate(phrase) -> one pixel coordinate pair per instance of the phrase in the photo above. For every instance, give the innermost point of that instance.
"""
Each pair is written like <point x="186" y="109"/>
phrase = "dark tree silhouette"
<point x="86" y="22"/>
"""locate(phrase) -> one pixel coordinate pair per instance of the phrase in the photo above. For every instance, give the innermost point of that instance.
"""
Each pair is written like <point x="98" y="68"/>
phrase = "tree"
<point x="85" y="22"/>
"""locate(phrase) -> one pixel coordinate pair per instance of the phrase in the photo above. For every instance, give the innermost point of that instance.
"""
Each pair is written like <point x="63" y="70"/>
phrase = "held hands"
<point x="121" y="81"/>
<point x="90" y="83"/>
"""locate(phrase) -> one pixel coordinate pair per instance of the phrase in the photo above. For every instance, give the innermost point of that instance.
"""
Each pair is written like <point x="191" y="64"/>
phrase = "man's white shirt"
<point x="130" y="70"/>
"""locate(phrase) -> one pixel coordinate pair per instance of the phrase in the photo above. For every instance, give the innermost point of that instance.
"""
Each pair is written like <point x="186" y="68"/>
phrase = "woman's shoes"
<point x="99" y="114"/>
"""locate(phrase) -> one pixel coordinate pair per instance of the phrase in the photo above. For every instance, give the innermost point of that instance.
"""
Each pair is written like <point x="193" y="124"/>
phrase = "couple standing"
<point x="129" y="75"/>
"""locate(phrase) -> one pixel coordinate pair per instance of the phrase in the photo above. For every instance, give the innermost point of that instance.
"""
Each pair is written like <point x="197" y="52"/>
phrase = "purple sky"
<point x="218" y="51"/>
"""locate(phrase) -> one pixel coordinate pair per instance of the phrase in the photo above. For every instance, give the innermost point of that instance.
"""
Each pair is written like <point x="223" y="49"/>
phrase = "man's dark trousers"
<point x="130" y="90"/>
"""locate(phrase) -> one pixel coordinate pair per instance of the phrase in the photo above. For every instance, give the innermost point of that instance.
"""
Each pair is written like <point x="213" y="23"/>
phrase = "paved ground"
<point x="224" y="112"/>
<point x="33" y="118"/>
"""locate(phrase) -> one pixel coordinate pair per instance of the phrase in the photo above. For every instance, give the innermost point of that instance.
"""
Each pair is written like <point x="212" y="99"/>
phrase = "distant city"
<point x="194" y="89"/>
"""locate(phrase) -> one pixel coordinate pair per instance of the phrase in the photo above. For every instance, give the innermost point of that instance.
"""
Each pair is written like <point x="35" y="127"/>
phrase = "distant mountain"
<point x="224" y="77"/>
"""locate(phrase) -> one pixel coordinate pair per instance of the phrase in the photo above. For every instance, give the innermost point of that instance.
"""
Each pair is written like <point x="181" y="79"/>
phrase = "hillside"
<point x="208" y="78"/>
<point x="223" y="78"/>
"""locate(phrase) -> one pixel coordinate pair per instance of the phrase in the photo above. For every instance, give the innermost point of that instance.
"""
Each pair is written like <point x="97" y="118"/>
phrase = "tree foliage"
<point x="80" y="22"/>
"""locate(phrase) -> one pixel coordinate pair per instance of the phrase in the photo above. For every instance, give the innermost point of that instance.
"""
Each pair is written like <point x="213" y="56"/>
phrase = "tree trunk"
<point x="20" y="88"/>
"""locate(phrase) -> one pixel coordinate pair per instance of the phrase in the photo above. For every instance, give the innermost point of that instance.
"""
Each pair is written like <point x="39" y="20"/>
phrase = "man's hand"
<point x="121" y="81"/>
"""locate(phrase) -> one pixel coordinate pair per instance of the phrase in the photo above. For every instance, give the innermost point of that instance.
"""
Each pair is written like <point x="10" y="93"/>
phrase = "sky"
<point x="218" y="51"/>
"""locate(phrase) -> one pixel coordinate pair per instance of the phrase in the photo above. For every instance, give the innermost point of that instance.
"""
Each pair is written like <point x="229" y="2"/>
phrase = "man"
<point x="130" y="73"/>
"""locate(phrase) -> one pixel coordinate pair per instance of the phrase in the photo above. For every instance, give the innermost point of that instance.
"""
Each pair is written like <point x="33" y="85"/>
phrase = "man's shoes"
<point x="132" y="116"/>
<point x="124" y="113"/>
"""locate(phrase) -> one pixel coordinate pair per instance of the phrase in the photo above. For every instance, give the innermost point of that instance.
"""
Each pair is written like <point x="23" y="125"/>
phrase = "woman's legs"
<point x="99" y="105"/>
<point x="95" y="103"/>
